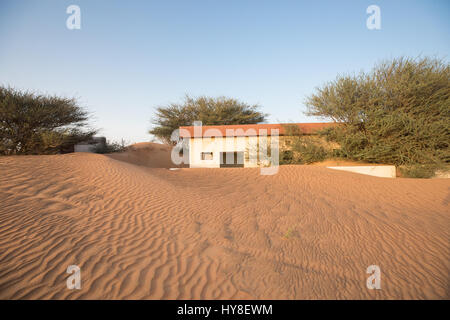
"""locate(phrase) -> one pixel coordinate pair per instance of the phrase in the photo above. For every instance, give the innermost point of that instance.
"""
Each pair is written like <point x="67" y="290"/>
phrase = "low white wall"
<point x="377" y="171"/>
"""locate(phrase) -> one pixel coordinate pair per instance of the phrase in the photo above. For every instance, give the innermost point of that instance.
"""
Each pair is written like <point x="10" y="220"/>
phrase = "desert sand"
<point x="148" y="154"/>
<point x="139" y="232"/>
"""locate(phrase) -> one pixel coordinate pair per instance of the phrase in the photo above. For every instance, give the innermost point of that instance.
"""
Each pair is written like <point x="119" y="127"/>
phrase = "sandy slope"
<point x="148" y="154"/>
<point x="136" y="232"/>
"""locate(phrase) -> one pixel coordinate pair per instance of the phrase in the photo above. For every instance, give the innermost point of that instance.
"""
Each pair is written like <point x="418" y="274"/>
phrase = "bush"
<point x="38" y="124"/>
<point x="111" y="147"/>
<point x="310" y="152"/>
<point x="399" y="113"/>
<point x="303" y="149"/>
<point x="287" y="157"/>
<point x="418" y="171"/>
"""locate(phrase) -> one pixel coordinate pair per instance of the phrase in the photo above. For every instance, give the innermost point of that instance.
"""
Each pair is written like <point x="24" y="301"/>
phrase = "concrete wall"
<point x="377" y="171"/>
<point x="89" y="146"/>
<point x="85" y="147"/>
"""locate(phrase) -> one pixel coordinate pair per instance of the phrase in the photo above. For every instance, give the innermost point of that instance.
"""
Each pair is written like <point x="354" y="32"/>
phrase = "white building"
<point x="249" y="145"/>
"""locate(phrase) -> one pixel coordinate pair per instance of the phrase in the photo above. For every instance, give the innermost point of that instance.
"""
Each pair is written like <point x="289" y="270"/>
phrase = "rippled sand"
<point x="144" y="233"/>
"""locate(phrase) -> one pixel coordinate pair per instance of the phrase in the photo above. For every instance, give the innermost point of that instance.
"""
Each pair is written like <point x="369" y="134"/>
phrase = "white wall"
<point x="377" y="171"/>
<point x="216" y="146"/>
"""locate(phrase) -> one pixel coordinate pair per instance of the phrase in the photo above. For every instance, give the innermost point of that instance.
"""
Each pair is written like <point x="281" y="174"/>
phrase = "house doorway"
<point x="232" y="159"/>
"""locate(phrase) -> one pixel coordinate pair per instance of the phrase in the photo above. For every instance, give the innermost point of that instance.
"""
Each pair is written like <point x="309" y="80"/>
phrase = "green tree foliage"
<point x="39" y="124"/>
<point x="399" y="113"/>
<point x="303" y="149"/>
<point x="112" y="147"/>
<point x="211" y="111"/>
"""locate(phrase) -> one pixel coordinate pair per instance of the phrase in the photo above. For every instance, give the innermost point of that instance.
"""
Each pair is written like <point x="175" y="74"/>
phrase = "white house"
<point x="248" y="145"/>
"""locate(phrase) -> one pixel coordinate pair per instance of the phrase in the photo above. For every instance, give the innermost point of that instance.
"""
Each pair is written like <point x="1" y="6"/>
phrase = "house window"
<point x="207" y="155"/>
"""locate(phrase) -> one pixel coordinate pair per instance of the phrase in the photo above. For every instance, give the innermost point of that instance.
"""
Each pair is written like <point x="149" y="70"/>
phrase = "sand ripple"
<point x="144" y="233"/>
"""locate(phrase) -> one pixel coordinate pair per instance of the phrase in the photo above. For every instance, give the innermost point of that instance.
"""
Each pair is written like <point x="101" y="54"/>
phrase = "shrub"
<point x="286" y="157"/>
<point x="111" y="147"/>
<point x="418" y="171"/>
<point x="36" y="124"/>
<point x="399" y="113"/>
<point x="303" y="149"/>
<point x="309" y="152"/>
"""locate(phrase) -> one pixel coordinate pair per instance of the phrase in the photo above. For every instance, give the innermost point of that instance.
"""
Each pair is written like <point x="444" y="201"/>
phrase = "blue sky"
<point x="131" y="56"/>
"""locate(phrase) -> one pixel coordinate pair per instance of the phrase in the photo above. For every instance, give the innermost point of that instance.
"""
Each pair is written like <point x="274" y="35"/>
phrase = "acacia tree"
<point x="35" y="124"/>
<point x="211" y="111"/>
<point x="399" y="113"/>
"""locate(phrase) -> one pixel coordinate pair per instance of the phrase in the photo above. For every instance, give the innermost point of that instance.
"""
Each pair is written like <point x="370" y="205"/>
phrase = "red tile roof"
<point x="250" y="129"/>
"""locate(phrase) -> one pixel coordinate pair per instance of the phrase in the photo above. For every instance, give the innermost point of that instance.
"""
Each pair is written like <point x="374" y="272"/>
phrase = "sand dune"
<point x="145" y="233"/>
<point x="148" y="154"/>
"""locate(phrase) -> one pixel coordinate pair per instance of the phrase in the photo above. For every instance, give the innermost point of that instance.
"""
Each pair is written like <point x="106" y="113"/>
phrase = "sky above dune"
<point x="132" y="56"/>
